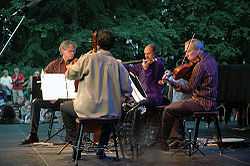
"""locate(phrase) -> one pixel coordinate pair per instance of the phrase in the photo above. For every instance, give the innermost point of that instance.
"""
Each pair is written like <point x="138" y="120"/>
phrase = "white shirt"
<point x="177" y="95"/>
<point x="6" y="81"/>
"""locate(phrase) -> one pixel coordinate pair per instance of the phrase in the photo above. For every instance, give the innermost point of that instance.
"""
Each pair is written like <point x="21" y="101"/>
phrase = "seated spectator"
<point x="8" y="115"/>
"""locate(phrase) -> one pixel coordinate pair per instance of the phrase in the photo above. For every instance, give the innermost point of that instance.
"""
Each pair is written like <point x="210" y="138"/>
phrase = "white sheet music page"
<point x="56" y="86"/>
<point x="136" y="93"/>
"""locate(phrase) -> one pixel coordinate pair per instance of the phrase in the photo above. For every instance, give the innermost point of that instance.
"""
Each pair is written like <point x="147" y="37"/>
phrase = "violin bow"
<point x="188" y="48"/>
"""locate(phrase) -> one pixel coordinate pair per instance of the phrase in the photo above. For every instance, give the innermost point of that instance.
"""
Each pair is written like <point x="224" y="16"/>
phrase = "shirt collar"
<point x="61" y="60"/>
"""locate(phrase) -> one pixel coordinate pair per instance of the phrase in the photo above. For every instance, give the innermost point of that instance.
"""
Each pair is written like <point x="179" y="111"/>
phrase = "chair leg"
<point x="219" y="138"/>
<point x="115" y="141"/>
<point x="134" y="147"/>
<point x="78" y="146"/>
<point x="197" y="124"/>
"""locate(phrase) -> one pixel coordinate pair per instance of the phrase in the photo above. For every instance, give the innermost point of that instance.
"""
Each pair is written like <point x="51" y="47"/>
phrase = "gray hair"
<point x="65" y="44"/>
<point x="195" y="44"/>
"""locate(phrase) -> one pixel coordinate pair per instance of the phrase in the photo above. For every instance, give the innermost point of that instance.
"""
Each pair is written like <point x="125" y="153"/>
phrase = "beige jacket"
<point x="103" y="80"/>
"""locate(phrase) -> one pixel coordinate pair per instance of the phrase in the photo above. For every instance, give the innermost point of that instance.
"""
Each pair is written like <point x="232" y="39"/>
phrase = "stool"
<point x="189" y="144"/>
<point x="211" y="115"/>
<point x="102" y="120"/>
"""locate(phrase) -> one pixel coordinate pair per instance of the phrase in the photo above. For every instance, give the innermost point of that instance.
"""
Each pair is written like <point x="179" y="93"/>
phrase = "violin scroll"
<point x="94" y="41"/>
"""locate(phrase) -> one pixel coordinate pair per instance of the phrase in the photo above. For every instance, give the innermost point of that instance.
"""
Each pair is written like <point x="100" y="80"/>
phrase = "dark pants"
<point x="69" y="116"/>
<point x="172" y="117"/>
<point x="36" y="106"/>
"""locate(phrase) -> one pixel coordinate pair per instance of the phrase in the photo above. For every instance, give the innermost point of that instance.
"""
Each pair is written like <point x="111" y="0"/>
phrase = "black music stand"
<point x="36" y="91"/>
<point x="37" y="94"/>
<point x="127" y="138"/>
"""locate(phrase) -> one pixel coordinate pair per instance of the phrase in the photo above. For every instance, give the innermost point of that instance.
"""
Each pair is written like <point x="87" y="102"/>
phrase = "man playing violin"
<point x="149" y="73"/>
<point x="67" y="50"/>
<point x="203" y="85"/>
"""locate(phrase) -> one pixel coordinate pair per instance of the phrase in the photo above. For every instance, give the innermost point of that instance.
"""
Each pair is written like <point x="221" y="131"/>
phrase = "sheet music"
<point x="138" y="92"/>
<point x="56" y="86"/>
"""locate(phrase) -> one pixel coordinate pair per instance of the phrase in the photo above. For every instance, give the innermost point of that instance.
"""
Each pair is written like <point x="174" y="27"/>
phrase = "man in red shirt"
<point x="17" y="82"/>
<point x="67" y="50"/>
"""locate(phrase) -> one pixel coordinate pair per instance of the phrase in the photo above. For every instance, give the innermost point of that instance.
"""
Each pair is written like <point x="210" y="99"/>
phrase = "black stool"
<point x="208" y="115"/>
<point x="102" y="120"/>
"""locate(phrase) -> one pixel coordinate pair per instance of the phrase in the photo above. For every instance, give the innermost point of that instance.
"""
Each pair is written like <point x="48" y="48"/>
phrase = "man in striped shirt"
<point x="203" y="85"/>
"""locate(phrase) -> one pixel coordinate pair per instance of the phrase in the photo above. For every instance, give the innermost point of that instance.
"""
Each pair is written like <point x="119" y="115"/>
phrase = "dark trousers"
<point x="36" y="106"/>
<point x="172" y="118"/>
<point x="69" y="116"/>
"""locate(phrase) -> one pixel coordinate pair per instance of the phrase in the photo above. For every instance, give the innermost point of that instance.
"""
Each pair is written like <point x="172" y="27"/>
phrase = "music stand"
<point x="139" y="96"/>
<point x="36" y="91"/>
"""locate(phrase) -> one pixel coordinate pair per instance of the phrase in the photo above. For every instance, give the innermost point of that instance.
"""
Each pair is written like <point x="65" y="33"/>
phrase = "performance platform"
<point x="14" y="154"/>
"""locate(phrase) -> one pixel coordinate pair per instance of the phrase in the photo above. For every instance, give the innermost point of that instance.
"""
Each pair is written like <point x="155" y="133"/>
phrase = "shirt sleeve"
<point x="161" y="71"/>
<point x="50" y="68"/>
<point x="22" y="78"/>
<point x="124" y="80"/>
<point x="133" y="68"/>
<point x="78" y="70"/>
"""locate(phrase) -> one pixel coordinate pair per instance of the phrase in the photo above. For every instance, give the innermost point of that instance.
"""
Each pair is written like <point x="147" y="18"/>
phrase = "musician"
<point x="203" y="85"/>
<point x="67" y="50"/>
<point x="17" y="86"/>
<point x="149" y="73"/>
<point x="103" y="80"/>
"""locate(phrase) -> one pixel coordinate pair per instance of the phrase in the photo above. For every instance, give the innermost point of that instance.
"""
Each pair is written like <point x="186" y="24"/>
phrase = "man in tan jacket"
<point x="103" y="81"/>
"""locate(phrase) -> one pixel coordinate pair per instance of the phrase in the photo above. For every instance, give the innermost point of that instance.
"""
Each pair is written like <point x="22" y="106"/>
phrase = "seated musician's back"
<point x="103" y="80"/>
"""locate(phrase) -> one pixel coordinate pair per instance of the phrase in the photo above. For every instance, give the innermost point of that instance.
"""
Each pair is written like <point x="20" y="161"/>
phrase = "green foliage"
<point x="222" y="25"/>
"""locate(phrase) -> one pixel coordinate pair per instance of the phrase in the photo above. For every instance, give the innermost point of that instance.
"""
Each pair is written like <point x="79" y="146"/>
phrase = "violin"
<point x="185" y="70"/>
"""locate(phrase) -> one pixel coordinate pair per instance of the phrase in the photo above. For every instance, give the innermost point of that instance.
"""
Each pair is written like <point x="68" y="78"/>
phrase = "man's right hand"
<point x="146" y="63"/>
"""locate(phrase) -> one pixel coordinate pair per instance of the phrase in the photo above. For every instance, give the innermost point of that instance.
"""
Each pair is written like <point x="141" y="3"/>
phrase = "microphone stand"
<point x="12" y="34"/>
<point x="21" y="10"/>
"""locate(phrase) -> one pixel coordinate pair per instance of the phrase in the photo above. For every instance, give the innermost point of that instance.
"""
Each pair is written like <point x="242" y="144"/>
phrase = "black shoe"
<point x="32" y="138"/>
